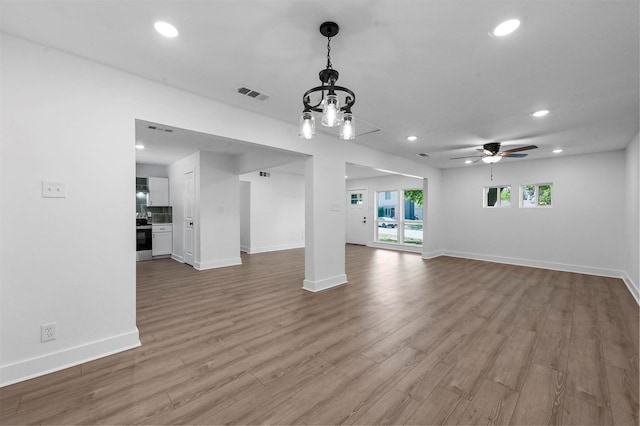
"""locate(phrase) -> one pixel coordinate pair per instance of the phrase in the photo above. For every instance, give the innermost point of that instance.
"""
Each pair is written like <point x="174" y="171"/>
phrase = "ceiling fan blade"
<point x="508" y="154"/>
<point x="467" y="156"/>
<point x="522" y="148"/>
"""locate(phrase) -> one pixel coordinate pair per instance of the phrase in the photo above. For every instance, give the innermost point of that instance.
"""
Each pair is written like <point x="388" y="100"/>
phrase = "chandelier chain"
<point x="329" y="66"/>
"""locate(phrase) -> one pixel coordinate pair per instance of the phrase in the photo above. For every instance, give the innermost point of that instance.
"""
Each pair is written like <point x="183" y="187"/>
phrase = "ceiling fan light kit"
<point x="329" y="104"/>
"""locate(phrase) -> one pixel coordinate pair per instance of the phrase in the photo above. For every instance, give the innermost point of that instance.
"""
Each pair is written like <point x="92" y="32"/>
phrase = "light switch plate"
<point x="53" y="189"/>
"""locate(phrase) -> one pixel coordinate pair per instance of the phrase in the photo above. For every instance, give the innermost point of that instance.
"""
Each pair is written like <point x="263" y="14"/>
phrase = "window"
<point x="386" y="219"/>
<point x="356" y="199"/>
<point x="399" y="222"/>
<point x="497" y="196"/>
<point x="413" y="214"/>
<point x="536" y="195"/>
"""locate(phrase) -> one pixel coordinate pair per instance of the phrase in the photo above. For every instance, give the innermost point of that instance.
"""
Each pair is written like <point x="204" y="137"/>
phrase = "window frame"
<point x="498" y="204"/>
<point x="399" y="220"/>
<point x="536" y="195"/>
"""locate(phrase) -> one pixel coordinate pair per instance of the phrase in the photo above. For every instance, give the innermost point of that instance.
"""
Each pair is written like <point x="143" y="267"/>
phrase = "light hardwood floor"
<point x="406" y="341"/>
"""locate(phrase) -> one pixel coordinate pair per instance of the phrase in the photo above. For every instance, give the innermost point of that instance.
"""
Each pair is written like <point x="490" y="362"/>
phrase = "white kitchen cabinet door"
<point x="158" y="191"/>
<point x="161" y="243"/>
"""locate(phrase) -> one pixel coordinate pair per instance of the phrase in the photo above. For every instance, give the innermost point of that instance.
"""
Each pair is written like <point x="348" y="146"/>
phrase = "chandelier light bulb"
<point x="331" y="111"/>
<point x="347" y="130"/>
<point x="307" y="126"/>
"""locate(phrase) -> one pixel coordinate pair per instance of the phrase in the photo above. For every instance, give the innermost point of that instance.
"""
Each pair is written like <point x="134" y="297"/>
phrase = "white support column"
<point x="325" y="220"/>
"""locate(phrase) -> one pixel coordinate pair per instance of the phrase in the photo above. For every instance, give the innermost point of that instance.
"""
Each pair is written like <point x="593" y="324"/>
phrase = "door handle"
<point x="190" y="223"/>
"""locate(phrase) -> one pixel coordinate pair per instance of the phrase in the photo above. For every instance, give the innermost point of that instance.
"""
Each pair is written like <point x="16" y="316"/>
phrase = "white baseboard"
<point x="396" y="247"/>
<point x="177" y="258"/>
<point x="431" y="255"/>
<point x="265" y="249"/>
<point x="45" y="364"/>
<point x="315" y="286"/>
<point x="537" y="264"/>
<point x="633" y="287"/>
<point x="201" y="266"/>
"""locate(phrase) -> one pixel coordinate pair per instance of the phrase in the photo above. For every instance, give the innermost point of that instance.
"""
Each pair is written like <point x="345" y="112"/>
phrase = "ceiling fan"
<point x="492" y="154"/>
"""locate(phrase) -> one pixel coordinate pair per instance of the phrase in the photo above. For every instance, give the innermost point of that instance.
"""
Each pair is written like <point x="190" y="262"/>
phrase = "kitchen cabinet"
<point x="158" y="191"/>
<point x="161" y="240"/>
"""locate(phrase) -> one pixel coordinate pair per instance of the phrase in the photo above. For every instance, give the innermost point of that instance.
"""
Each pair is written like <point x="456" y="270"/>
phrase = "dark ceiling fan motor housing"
<point x="492" y="148"/>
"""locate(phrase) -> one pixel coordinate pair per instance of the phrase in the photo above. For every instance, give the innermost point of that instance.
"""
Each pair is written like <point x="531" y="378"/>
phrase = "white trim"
<point x="398" y="247"/>
<point x="45" y="364"/>
<point x="177" y="258"/>
<point x="254" y="250"/>
<point x="537" y="264"/>
<point x="432" y="255"/>
<point x="315" y="286"/>
<point x="633" y="287"/>
<point x="201" y="266"/>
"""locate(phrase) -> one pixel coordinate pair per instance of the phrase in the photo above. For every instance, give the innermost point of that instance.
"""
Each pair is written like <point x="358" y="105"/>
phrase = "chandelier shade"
<point x="325" y="99"/>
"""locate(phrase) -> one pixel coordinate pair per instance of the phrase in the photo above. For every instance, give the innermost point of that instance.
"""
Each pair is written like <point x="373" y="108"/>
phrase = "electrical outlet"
<point x="53" y="189"/>
<point x="47" y="332"/>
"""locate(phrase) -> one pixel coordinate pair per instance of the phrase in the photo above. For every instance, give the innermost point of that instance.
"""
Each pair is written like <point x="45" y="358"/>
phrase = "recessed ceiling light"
<point x="541" y="113"/>
<point x="557" y="151"/>
<point x="507" y="27"/>
<point x="468" y="162"/>
<point x="412" y="138"/>
<point x="166" y="29"/>
<point x="139" y="146"/>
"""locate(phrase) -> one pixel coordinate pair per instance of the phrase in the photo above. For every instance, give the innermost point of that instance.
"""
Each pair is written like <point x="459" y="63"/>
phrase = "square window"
<point x="356" y="199"/>
<point x="536" y="195"/>
<point x="497" y="196"/>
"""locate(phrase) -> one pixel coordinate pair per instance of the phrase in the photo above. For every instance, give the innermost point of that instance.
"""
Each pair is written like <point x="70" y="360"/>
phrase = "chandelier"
<point x="326" y="97"/>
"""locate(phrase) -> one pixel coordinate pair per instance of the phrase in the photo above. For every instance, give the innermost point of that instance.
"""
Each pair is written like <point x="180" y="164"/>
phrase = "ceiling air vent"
<point x="160" y="129"/>
<point x="252" y="93"/>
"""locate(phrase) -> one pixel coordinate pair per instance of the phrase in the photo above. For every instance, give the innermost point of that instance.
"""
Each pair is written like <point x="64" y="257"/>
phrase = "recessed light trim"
<point x="139" y="146"/>
<point x="412" y="138"/>
<point x="468" y="162"/>
<point x="506" y="27"/>
<point x="557" y="151"/>
<point x="166" y="29"/>
<point x="540" y="113"/>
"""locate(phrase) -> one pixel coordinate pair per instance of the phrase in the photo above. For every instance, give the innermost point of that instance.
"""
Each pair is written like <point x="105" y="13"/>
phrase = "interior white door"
<point x="357" y="220"/>
<point x="189" y="207"/>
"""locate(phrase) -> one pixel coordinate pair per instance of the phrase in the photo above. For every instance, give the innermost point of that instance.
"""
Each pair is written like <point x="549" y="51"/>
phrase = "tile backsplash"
<point x="160" y="214"/>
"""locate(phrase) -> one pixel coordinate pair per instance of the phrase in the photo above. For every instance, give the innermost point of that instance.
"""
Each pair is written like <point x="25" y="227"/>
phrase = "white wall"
<point x="151" y="170"/>
<point x="276" y="219"/>
<point x="245" y="215"/>
<point x="582" y="232"/>
<point x="69" y="261"/>
<point x="219" y="212"/>
<point x="632" y="221"/>
<point x="50" y="271"/>
<point x="216" y="209"/>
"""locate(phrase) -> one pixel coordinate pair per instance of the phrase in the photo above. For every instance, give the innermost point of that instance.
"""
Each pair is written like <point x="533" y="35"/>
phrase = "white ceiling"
<point x="417" y="67"/>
